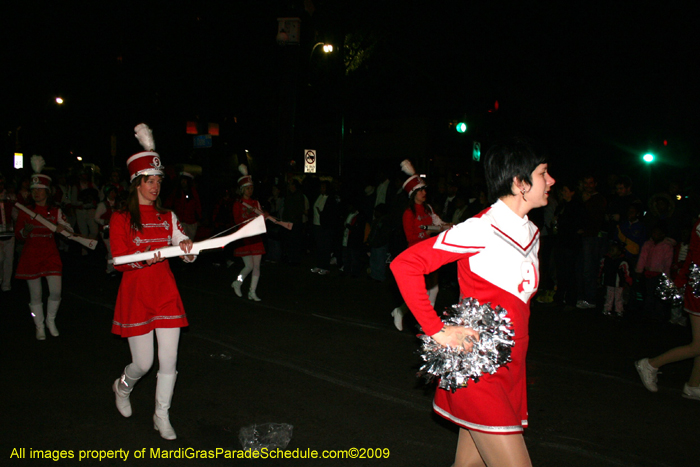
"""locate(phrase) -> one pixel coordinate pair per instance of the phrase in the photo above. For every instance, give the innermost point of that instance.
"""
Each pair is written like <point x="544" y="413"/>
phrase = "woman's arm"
<point x="179" y="238"/>
<point x="120" y="240"/>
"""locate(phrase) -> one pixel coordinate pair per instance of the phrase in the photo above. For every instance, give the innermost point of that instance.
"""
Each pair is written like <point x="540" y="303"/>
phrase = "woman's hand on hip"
<point x="456" y="336"/>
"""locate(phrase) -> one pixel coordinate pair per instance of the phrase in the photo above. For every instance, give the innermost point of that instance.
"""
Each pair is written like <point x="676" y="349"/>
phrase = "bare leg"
<point x="467" y="454"/>
<point x="502" y="450"/>
<point x="683" y="352"/>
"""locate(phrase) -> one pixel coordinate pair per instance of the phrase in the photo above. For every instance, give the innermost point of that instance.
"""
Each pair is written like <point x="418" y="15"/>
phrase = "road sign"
<point x="202" y="141"/>
<point x="310" y="161"/>
<point x="476" y="151"/>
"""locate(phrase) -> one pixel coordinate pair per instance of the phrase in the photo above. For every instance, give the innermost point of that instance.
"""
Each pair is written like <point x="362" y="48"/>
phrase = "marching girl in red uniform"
<point x="417" y="217"/>
<point x="103" y="213"/>
<point x="648" y="368"/>
<point x="148" y="303"/>
<point x="496" y="253"/>
<point x="40" y="256"/>
<point x="251" y="249"/>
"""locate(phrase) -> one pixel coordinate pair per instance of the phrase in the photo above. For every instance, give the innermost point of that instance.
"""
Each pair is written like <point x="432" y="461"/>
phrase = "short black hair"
<point x="509" y="159"/>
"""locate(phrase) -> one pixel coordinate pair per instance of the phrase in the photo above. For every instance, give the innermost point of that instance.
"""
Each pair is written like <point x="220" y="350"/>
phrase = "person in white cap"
<point x="148" y="303"/>
<point x="416" y="218"/>
<point x="40" y="256"/>
<point x="249" y="249"/>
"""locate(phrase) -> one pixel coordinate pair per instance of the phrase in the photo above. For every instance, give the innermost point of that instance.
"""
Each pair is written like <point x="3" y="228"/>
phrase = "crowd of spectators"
<point x="355" y="227"/>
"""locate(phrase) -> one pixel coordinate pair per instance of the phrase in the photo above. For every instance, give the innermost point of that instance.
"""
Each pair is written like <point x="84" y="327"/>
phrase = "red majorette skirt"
<point x="497" y="404"/>
<point x="148" y="299"/>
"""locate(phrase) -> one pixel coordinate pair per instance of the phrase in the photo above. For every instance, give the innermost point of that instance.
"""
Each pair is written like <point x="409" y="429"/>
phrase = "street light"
<point x="648" y="158"/>
<point x="327" y="48"/>
<point x="59" y="100"/>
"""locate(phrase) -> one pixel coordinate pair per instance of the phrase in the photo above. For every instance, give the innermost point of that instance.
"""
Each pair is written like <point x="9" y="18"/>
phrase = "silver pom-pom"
<point x="455" y="367"/>
<point x="667" y="290"/>
<point x="694" y="279"/>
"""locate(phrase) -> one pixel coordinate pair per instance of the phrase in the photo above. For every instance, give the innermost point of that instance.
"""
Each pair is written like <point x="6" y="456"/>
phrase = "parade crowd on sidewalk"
<point x="602" y="248"/>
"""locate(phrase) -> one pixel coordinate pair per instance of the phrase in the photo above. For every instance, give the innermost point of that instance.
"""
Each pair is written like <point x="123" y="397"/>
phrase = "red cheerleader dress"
<point x="40" y="256"/>
<point x="496" y="253"/>
<point x="691" y="303"/>
<point x="243" y="210"/>
<point x="148" y="297"/>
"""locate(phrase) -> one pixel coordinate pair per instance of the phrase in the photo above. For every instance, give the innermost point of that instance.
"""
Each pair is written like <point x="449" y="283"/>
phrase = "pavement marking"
<point x="318" y="375"/>
<point x="362" y="324"/>
<point x="351" y="322"/>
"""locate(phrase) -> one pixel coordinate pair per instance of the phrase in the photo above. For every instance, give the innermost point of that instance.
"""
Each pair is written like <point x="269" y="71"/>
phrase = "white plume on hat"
<point x="243" y="169"/>
<point x="407" y="167"/>
<point x="38" y="163"/>
<point x="145" y="137"/>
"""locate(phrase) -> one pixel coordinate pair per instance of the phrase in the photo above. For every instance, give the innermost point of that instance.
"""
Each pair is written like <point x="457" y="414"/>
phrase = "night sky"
<point x="596" y="82"/>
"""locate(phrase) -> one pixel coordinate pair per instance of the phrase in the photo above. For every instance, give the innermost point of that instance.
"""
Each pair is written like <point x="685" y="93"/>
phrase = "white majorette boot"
<point x="237" y="285"/>
<point x="398" y="318"/>
<point x="253" y="285"/>
<point x="38" y="317"/>
<point x="122" y="388"/>
<point x="164" y="394"/>
<point x="51" y="310"/>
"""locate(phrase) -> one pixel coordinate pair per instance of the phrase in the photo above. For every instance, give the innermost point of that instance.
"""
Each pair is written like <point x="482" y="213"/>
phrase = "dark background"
<point x="597" y="85"/>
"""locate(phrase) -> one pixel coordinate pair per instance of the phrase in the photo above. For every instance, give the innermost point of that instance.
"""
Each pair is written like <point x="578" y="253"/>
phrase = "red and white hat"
<point x="39" y="180"/>
<point x="245" y="180"/>
<point x="148" y="161"/>
<point x="414" y="182"/>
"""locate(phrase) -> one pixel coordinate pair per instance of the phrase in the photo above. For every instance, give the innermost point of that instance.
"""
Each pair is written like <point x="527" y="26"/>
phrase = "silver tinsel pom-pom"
<point x="667" y="290"/>
<point x="455" y="367"/>
<point x="694" y="279"/>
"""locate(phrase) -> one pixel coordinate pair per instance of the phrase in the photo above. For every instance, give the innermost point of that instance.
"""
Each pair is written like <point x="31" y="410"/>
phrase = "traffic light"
<point x="461" y="127"/>
<point x="648" y="158"/>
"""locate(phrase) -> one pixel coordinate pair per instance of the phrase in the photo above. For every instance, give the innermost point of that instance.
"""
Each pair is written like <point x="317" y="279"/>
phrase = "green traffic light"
<point x="648" y="158"/>
<point x="462" y="127"/>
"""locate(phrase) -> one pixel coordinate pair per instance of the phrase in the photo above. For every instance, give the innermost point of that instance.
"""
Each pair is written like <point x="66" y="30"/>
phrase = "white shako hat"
<point x="39" y="180"/>
<point x="413" y="182"/>
<point x="245" y="180"/>
<point x="148" y="161"/>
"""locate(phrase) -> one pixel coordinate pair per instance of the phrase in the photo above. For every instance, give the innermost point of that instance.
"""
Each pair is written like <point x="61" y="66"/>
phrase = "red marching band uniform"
<point x="139" y="310"/>
<point x="40" y="256"/>
<point x="496" y="254"/>
<point x="148" y="296"/>
<point x="244" y="210"/>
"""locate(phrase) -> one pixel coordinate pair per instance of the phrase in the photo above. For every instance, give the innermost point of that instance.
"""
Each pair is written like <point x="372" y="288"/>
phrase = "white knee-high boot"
<point x="237" y="285"/>
<point x="51" y="310"/>
<point x="164" y="394"/>
<point x="122" y="388"/>
<point x="398" y="314"/>
<point x="253" y="285"/>
<point x="38" y="317"/>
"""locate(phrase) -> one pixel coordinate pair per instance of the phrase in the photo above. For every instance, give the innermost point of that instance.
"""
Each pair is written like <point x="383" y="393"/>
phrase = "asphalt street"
<point x="320" y="353"/>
